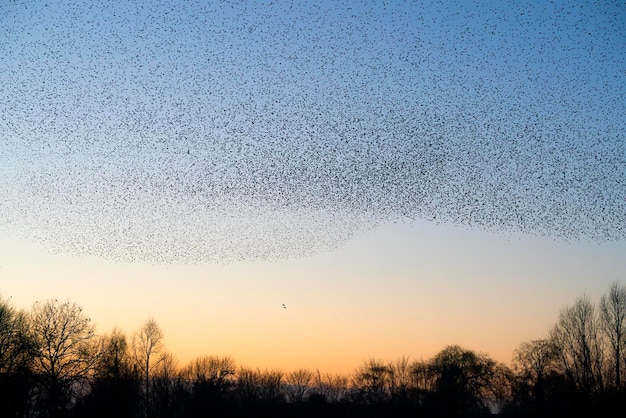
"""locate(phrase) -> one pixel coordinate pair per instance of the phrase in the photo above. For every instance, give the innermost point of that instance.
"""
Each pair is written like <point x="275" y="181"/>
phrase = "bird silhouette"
<point x="309" y="125"/>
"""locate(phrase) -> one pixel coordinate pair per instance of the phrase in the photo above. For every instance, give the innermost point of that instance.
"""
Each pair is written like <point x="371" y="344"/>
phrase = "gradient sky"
<point x="401" y="175"/>
<point x="399" y="290"/>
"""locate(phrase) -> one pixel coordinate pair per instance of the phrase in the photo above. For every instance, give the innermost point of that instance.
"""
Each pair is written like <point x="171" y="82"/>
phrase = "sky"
<point x="400" y="175"/>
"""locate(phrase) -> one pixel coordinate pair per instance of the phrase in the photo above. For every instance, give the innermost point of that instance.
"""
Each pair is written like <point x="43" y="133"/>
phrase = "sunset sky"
<point x="398" y="290"/>
<point x="400" y="175"/>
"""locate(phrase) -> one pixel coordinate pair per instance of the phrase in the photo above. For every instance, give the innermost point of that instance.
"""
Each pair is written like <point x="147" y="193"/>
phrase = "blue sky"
<point x="178" y="134"/>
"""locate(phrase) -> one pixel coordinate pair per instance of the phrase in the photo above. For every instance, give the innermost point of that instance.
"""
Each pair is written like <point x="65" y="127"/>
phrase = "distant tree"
<point x="533" y="362"/>
<point x="147" y="343"/>
<point x="613" y="323"/>
<point x="216" y="371"/>
<point x="387" y="388"/>
<point x="17" y="348"/>
<point x="256" y="385"/>
<point x="401" y="377"/>
<point x="330" y="388"/>
<point x="540" y="386"/>
<point x="210" y="380"/>
<point x="17" y="354"/>
<point x="421" y="377"/>
<point x="373" y="380"/>
<point x="66" y="351"/>
<point x="116" y="359"/>
<point x="299" y="384"/>
<point x="463" y="382"/>
<point x="167" y="387"/>
<point x="499" y="393"/>
<point x="578" y="346"/>
<point x="272" y="386"/>
<point x="115" y="390"/>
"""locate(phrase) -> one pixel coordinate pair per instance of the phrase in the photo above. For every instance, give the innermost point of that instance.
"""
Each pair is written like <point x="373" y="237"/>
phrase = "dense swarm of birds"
<point x="196" y="131"/>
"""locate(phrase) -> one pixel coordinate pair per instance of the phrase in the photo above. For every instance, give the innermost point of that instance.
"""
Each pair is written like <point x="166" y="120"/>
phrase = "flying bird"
<point x="304" y="138"/>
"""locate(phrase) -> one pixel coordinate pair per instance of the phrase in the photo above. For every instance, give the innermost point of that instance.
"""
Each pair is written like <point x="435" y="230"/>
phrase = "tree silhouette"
<point x="256" y="385"/>
<point x="147" y="343"/>
<point x="210" y="380"/>
<point x="534" y="361"/>
<point x="299" y="384"/>
<point x="166" y="387"/>
<point x="115" y="361"/>
<point x="66" y="350"/>
<point x="579" y="347"/>
<point x="115" y="390"/>
<point x="52" y="365"/>
<point x="613" y="321"/>
<point x="401" y="377"/>
<point x="373" y="381"/>
<point x="17" y="354"/>
<point x="463" y="382"/>
<point x="331" y="388"/>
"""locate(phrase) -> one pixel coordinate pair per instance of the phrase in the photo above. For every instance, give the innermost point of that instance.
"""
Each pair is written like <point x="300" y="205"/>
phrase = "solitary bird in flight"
<point x="284" y="307"/>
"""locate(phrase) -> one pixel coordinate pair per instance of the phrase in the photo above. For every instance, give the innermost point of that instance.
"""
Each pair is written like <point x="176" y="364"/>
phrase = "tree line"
<point x="53" y="364"/>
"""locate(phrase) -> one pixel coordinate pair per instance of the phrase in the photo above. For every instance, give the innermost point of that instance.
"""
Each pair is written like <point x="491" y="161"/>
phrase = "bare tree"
<point x="499" y="392"/>
<point x="533" y="361"/>
<point x="17" y="349"/>
<point x="613" y="320"/>
<point x="209" y="381"/>
<point x="17" y="354"/>
<point x="299" y="384"/>
<point x="331" y="388"/>
<point x="66" y="347"/>
<point x="147" y="343"/>
<point x="256" y="385"/>
<point x="373" y="380"/>
<point x="166" y="386"/>
<point x="216" y="370"/>
<point x="578" y="345"/>
<point x="7" y="336"/>
<point x="115" y="360"/>
<point x="210" y="377"/>
<point x="421" y="378"/>
<point x="116" y="390"/>
<point x="401" y="377"/>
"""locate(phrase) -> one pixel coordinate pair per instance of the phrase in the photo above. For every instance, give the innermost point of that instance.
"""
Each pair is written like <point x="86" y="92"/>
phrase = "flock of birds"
<point x="169" y="131"/>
